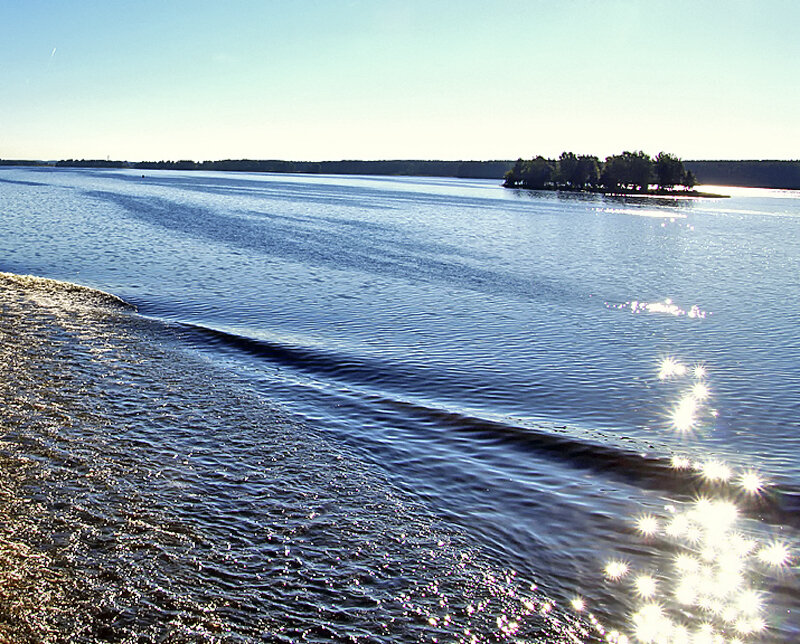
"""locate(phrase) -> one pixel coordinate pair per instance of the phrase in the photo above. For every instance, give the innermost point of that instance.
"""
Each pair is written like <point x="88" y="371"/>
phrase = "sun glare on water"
<point x="666" y="307"/>
<point x="706" y="581"/>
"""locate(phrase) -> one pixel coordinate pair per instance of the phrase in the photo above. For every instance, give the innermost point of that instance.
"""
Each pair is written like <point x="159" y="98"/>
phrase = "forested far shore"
<point x="410" y="167"/>
<point x="752" y="173"/>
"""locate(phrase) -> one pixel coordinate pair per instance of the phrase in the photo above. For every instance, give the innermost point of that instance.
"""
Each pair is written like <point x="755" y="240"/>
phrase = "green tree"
<point x="627" y="170"/>
<point x="567" y="170"/>
<point x="538" y="173"/>
<point x="614" y="172"/>
<point x="514" y="176"/>
<point x="588" y="171"/>
<point x="640" y="169"/>
<point x="669" y="170"/>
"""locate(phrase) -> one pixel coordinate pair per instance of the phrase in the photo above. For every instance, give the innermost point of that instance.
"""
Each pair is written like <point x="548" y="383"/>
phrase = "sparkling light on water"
<point x="775" y="554"/>
<point x="667" y="307"/>
<point x="645" y="585"/>
<point x="616" y="569"/>
<point x="751" y="482"/>
<point x="647" y="525"/>
<point x="714" y="470"/>
<point x="681" y="463"/>
<point x="707" y="575"/>
<point x="671" y="368"/>
<point x="712" y="578"/>
<point x="684" y="416"/>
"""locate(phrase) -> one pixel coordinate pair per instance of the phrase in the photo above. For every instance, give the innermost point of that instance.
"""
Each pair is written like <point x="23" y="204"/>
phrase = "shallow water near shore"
<point x="397" y="409"/>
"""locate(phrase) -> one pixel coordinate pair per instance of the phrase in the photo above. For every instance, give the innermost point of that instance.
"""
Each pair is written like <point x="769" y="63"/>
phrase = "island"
<point x="629" y="173"/>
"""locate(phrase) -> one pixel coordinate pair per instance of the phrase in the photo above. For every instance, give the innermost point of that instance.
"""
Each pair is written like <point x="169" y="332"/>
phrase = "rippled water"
<point x="395" y="408"/>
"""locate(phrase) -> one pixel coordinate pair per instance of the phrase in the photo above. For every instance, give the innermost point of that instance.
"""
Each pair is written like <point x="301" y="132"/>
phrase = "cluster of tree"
<point x="20" y="162"/>
<point x="626" y="172"/>
<point x="465" y="169"/>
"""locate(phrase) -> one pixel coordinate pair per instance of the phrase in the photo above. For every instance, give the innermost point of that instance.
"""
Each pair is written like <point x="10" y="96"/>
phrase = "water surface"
<point x="490" y="357"/>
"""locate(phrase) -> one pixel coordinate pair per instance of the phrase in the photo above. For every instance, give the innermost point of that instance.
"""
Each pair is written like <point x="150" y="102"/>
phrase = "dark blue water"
<point x="493" y="354"/>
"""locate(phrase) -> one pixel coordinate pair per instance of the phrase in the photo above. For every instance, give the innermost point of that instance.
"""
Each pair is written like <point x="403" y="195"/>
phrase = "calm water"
<point x="467" y="383"/>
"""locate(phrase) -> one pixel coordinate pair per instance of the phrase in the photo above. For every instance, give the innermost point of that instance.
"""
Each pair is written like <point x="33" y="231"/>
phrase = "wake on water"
<point x="149" y="498"/>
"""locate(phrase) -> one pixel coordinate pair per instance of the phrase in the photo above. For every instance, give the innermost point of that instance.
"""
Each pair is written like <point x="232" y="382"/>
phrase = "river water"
<point x="403" y="409"/>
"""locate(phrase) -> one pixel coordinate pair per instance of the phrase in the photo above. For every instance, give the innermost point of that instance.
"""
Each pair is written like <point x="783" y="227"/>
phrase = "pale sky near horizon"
<point x="379" y="79"/>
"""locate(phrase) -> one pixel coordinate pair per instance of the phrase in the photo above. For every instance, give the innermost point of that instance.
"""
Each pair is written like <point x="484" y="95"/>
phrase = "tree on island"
<point x="669" y="170"/>
<point x="626" y="172"/>
<point x="629" y="170"/>
<point x="538" y="173"/>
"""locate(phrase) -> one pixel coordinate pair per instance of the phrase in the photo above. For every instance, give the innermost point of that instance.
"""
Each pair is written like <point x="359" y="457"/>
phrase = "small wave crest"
<point x="386" y="388"/>
<point x="64" y="292"/>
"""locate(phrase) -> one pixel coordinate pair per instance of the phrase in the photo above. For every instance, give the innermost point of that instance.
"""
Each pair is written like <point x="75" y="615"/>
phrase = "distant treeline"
<point x="20" y="162"/>
<point x="464" y="169"/>
<point x="756" y="174"/>
<point x="626" y="172"/>
<point x="762" y="174"/>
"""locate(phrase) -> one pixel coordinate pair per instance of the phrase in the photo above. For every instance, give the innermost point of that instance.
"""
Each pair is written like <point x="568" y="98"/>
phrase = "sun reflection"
<point x="710" y="587"/>
<point x="775" y="554"/>
<point x="578" y="604"/>
<point x="700" y="391"/>
<point x="616" y="569"/>
<point x="709" y="576"/>
<point x="715" y="470"/>
<point x="645" y="585"/>
<point x="647" y="525"/>
<point x="684" y="415"/>
<point x="667" y="307"/>
<point x="681" y="463"/>
<point x="671" y="368"/>
<point x="751" y="482"/>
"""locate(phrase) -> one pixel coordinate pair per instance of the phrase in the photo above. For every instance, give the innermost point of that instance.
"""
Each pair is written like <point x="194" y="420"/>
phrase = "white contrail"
<point x="53" y="53"/>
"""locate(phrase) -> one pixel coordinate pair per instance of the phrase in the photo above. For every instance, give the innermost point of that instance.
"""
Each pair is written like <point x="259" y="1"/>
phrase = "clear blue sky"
<point x="376" y="79"/>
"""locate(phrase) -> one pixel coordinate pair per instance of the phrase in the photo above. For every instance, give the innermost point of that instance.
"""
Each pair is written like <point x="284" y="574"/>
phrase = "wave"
<point x="382" y="385"/>
<point x="76" y="293"/>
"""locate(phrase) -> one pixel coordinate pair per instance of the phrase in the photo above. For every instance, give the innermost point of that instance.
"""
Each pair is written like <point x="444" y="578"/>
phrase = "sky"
<point x="399" y="79"/>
